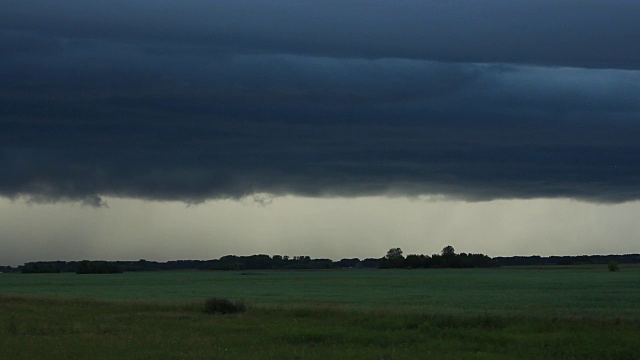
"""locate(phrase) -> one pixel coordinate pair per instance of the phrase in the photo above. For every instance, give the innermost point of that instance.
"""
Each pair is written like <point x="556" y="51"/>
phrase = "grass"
<point x="567" y="292"/>
<point x="444" y="314"/>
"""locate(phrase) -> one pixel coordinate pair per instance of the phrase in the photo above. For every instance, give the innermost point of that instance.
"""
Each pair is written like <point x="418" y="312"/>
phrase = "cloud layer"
<point x="197" y="100"/>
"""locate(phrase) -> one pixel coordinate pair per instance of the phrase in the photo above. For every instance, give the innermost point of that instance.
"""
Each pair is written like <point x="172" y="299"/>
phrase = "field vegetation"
<point x="561" y="313"/>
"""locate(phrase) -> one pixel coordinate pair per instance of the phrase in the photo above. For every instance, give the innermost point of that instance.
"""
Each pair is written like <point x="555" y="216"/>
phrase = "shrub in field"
<point x="613" y="266"/>
<point x="223" y="306"/>
<point x="13" y="326"/>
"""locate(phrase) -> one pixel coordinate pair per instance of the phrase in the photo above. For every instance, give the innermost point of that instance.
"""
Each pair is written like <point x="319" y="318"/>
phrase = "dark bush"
<point x="223" y="306"/>
<point x="613" y="266"/>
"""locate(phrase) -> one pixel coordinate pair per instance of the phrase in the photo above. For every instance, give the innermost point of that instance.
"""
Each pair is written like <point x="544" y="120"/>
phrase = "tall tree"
<point x="393" y="259"/>
<point x="448" y="251"/>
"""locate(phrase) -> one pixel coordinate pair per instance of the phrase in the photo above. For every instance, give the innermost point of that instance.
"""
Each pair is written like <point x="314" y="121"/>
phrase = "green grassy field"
<point x="571" y="313"/>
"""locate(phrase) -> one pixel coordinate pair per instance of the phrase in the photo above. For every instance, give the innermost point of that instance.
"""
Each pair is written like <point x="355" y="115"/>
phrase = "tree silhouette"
<point x="394" y="254"/>
<point x="448" y="251"/>
<point x="393" y="259"/>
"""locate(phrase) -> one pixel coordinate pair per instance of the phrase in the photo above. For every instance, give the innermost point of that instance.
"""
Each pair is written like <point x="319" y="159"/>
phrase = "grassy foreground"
<point x="440" y="314"/>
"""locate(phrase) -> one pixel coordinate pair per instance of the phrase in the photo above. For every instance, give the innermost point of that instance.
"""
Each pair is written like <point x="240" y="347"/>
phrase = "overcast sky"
<point x="141" y="129"/>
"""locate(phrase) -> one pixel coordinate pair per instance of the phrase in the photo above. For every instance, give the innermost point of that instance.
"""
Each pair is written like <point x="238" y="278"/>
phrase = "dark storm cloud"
<point x="591" y="33"/>
<point x="197" y="100"/>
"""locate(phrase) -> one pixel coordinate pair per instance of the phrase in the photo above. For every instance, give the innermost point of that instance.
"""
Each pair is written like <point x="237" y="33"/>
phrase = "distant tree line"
<point x="446" y="259"/>
<point x="394" y="258"/>
<point x="98" y="267"/>
<point x="79" y="267"/>
<point x="229" y="262"/>
<point x="567" y="260"/>
<point x="42" y="267"/>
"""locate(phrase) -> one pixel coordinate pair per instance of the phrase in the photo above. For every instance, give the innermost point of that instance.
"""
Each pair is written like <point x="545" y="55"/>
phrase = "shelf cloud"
<point x="199" y="100"/>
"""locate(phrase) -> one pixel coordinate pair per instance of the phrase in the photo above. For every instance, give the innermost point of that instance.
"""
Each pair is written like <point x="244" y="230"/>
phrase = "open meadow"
<point x="507" y="313"/>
